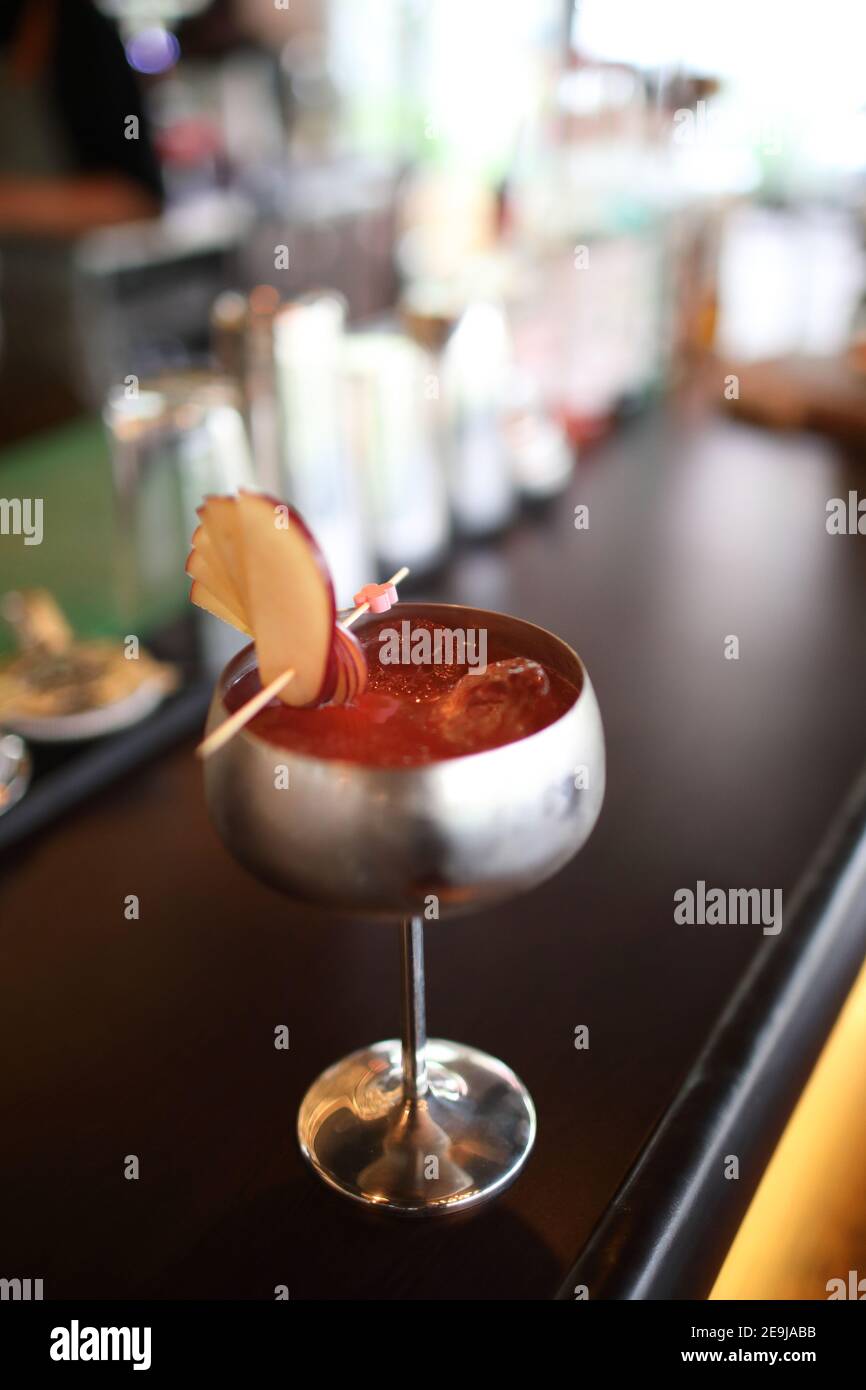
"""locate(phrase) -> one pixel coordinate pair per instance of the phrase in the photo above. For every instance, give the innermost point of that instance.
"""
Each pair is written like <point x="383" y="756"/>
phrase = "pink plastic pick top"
<point x="379" y="596"/>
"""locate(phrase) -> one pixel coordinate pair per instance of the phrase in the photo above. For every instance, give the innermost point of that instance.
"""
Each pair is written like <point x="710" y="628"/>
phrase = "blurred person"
<point x="67" y="166"/>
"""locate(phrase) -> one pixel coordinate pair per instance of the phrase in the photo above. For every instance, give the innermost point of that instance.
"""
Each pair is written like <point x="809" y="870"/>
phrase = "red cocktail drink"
<point x="425" y="706"/>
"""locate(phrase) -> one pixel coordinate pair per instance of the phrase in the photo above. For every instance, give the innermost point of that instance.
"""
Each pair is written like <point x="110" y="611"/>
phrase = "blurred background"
<point x="422" y="269"/>
<point x="405" y="263"/>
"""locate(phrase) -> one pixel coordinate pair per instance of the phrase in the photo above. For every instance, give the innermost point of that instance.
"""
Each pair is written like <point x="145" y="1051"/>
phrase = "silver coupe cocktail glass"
<point x="416" y="1125"/>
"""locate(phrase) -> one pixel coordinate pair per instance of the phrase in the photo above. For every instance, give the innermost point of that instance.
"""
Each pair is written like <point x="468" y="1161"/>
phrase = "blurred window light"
<point x="133" y="15"/>
<point x="789" y="281"/>
<point x="479" y="85"/>
<point x="588" y="91"/>
<point x="772" y="43"/>
<point x="793" y="73"/>
<point x="444" y="80"/>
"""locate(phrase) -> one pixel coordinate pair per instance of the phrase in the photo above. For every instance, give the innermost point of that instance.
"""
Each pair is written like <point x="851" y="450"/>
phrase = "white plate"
<point x="92" y="723"/>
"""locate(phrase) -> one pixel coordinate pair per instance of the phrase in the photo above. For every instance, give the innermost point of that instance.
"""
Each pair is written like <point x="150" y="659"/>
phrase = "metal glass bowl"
<point x="410" y="1125"/>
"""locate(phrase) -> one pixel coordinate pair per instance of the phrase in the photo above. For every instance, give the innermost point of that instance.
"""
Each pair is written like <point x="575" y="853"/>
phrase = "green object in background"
<point x="78" y="558"/>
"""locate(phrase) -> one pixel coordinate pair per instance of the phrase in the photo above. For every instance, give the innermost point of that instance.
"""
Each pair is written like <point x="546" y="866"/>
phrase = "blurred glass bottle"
<point x="173" y="439"/>
<point x="242" y="344"/>
<point x="585" y="213"/>
<point x="392" y="388"/>
<point x="540" y="455"/>
<point x="263" y="417"/>
<point x="228" y="328"/>
<point x="317" y="469"/>
<point x="536" y="452"/>
<point x="475" y="366"/>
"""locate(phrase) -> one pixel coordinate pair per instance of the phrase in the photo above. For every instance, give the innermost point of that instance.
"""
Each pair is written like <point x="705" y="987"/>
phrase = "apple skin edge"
<point x="352" y="667"/>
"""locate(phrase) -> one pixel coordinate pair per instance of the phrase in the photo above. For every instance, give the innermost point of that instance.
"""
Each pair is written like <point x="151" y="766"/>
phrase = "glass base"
<point x="459" y="1145"/>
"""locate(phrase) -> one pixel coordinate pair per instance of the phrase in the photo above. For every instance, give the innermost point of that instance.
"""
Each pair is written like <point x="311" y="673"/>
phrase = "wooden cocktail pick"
<point x="235" y="722"/>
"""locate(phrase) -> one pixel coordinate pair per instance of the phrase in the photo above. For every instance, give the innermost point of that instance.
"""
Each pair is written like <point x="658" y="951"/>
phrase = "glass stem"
<point x="414" y="1020"/>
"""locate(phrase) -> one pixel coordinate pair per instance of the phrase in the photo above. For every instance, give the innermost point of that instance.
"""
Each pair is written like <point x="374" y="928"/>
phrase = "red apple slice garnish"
<point x="289" y="599"/>
<point x="203" y="597"/>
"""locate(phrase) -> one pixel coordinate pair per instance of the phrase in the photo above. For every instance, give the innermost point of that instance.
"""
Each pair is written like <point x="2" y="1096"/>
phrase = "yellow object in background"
<point x="806" y="1225"/>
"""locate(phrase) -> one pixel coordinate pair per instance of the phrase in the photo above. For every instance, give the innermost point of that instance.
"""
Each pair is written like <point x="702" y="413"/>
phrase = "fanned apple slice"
<point x="220" y="517"/>
<point x="204" y="598"/>
<point x="208" y="579"/>
<point x="207" y="564"/>
<point x="290" y="600"/>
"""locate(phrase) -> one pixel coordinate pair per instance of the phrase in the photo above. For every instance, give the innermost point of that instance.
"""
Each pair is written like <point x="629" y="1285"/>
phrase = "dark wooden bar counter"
<point x="155" y="1037"/>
